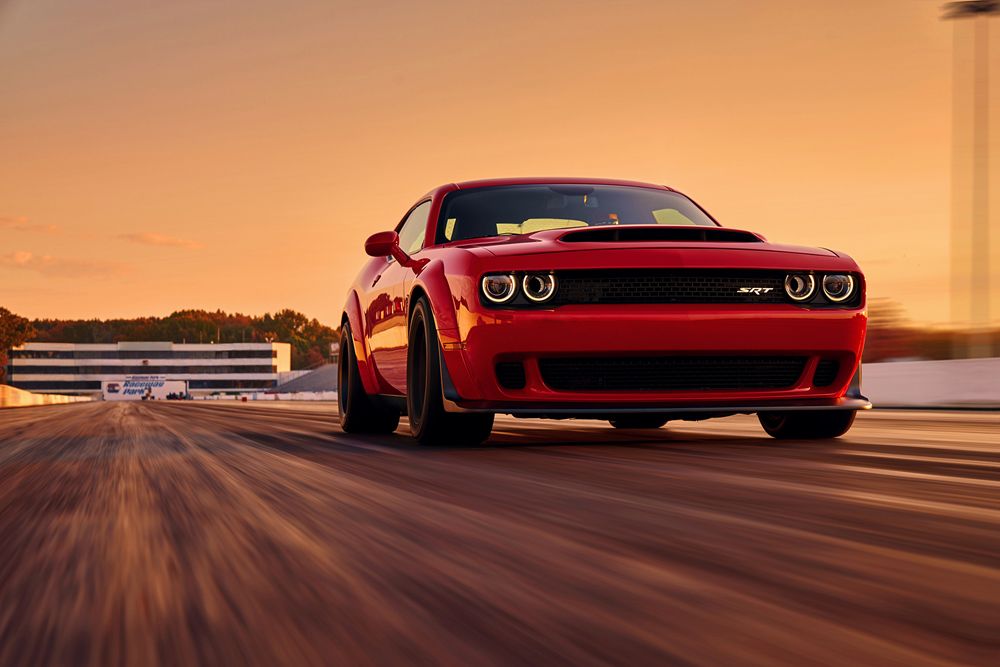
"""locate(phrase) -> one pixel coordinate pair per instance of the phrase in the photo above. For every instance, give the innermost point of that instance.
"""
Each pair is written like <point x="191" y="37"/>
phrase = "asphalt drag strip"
<point x="261" y="534"/>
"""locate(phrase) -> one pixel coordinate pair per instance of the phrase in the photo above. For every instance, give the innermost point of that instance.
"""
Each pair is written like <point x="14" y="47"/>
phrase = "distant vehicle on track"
<point x="594" y="299"/>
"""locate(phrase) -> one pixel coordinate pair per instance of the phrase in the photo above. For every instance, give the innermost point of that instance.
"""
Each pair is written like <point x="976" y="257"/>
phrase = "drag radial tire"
<point x="358" y="414"/>
<point x="807" y="424"/>
<point x="429" y="423"/>
<point x="639" y="421"/>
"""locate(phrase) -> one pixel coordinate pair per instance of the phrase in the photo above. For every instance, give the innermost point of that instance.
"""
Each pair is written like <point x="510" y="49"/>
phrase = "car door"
<point x="387" y="309"/>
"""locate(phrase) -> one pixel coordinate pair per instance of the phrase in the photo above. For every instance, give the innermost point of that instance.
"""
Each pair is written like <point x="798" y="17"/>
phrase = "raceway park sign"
<point x="137" y="386"/>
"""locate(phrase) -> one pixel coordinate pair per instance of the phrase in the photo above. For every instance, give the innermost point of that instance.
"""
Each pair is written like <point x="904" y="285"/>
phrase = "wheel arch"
<point x="457" y="382"/>
<point x="432" y="284"/>
<point x="415" y="294"/>
<point x="352" y="316"/>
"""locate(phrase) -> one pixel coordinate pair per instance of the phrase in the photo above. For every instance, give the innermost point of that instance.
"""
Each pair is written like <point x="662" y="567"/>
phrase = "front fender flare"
<point x="352" y="310"/>
<point x="433" y="282"/>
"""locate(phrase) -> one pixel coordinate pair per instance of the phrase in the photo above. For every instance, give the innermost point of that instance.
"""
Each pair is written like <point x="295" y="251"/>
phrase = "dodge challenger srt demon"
<point x="594" y="299"/>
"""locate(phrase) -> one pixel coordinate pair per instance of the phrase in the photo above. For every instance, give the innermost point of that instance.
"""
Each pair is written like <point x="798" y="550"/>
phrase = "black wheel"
<point x="429" y="423"/>
<point x="807" y="424"/>
<point x="358" y="414"/>
<point x="639" y="421"/>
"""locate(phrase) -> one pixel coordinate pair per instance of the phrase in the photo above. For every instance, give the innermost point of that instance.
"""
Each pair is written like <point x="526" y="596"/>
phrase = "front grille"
<point x="826" y="372"/>
<point x="510" y="374"/>
<point x="670" y="373"/>
<point x="669" y="286"/>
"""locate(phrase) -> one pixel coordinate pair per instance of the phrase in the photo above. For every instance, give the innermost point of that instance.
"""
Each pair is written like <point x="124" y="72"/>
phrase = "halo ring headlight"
<point x="499" y="287"/>
<point x="800" y="286"/>
<point x="838" y="286"/>
<point x="539" y="287"/>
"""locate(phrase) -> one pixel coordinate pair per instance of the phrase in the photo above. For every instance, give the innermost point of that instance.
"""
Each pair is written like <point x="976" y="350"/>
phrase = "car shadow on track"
<point x="323" y="442"/>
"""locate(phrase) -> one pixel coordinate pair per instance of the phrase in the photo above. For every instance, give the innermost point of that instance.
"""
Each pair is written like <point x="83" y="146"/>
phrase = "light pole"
<point x="975" y="279"/>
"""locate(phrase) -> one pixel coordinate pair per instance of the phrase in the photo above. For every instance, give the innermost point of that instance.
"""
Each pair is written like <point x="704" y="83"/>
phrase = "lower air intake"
<point x="671" y="373"/>
<point x="510" y="375"/>
<point x="826" y="372"/>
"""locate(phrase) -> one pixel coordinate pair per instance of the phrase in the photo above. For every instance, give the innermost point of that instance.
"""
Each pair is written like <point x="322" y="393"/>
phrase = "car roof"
<point x="490" y="182"/>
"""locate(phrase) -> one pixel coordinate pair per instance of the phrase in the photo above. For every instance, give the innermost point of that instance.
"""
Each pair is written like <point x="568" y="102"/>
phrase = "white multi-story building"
<point x="68" y="368"/>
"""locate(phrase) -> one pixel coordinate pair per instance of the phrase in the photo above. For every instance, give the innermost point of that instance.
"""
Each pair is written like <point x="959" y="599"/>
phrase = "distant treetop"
<point x="309" y="339"/>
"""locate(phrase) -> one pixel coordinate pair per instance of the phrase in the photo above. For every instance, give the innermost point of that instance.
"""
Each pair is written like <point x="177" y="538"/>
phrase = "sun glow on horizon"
<point x="165" y="155"/>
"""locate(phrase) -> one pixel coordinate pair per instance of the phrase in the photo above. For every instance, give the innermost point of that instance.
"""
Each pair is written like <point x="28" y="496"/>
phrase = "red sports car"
<point x="594" y="299"/>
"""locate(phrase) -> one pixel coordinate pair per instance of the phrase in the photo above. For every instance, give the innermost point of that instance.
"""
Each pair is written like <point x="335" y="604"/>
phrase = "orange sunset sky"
<point x="156" y="156"/>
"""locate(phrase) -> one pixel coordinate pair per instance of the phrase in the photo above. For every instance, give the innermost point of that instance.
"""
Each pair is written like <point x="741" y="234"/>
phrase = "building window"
<point x="94" y="385"/>
<point x="140" y="370"/>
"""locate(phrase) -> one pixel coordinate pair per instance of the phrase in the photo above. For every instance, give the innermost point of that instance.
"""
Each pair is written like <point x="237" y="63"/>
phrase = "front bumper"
<point x="491" y="337"/>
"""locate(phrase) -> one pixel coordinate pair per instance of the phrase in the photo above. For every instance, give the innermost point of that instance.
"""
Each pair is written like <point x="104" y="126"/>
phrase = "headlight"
<point x="539" y="286"/>
<point x="800" y="286"/>
<point x="499" y="288"/>
<point x="838" y="287"/>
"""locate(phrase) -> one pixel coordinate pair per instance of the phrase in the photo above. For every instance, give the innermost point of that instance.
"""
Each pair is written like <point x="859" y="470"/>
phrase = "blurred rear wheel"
<point x="358" y="412"/>
<point x="807" y="424"/>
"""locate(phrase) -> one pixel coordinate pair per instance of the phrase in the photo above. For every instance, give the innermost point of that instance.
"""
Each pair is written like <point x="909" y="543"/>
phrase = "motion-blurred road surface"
<point x="260" y="534"/>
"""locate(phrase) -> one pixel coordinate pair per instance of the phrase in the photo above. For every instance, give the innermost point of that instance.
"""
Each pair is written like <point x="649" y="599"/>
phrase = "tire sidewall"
<point x="807" y="424"/>
<point x="344" y="388"/>
<point x="420" y="322"/>
<point x="773" y="423"/>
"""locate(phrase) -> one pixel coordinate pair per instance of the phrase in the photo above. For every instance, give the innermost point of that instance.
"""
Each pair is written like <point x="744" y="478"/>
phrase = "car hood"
<point x="603" y="239"/>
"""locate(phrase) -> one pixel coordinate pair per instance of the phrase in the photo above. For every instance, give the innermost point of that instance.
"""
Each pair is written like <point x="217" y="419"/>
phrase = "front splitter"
<point x="603" y="410"/>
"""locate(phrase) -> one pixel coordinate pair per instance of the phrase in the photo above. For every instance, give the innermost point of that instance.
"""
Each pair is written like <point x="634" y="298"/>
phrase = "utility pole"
<point x="970" y="238"/>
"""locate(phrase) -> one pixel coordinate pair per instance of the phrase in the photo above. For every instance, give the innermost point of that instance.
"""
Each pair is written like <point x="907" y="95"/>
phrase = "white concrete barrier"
<point x="275" y="396"/>
<point x="973" y="383"/>
<point x="11" y="397"/>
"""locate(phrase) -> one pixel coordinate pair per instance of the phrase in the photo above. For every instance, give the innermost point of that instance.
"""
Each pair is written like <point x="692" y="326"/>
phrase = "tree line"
<point x="309" y="339"/>
<point x="893" y="335"/>
<point x="14" y="331"/>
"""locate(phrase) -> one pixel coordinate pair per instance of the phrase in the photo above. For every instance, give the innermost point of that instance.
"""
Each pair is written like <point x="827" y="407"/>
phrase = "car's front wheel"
<point x="429" y="423"/>
<point x="358" y="414"/>
<point x="807" y="424"/>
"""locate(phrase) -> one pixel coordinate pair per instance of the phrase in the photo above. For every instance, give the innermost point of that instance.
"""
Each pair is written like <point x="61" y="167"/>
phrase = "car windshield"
<point x="524" y="209"/>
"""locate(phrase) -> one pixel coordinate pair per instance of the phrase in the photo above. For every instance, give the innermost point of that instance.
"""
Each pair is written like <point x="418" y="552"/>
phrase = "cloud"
<point x="56" y="267"/>
<point x="148" y="238"/>
<point x="22" y="224"/>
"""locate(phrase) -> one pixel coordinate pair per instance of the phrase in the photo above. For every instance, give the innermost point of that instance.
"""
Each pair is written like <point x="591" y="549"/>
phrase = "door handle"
<point x="376" y="279"/>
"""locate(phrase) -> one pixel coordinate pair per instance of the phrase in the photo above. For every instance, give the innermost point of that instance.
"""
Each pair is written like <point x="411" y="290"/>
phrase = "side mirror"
<point x="381" y="244"/>
<point x="386" y="243"/>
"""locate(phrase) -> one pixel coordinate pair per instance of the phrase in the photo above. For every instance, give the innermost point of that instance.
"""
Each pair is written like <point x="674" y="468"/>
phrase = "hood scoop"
<point x="636" y="234"/>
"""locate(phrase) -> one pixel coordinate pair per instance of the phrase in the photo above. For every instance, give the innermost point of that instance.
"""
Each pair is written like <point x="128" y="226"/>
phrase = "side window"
<point x="411" y="233"/>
